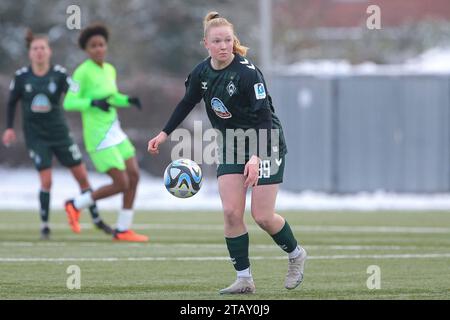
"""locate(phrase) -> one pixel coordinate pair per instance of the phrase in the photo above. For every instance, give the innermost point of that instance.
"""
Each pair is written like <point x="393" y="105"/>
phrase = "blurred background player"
<point x="235" y="95"/>
<point x="40" y="87"/>
<point x="94" y="93"/>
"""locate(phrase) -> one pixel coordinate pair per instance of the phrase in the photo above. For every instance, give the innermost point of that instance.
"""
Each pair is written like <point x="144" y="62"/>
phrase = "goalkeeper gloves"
<point x="102" y="104"/>
<point x="136" y="102"/>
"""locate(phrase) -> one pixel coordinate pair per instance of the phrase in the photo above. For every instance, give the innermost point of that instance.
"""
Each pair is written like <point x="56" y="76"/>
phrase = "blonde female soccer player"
<point x="236" y="97"/>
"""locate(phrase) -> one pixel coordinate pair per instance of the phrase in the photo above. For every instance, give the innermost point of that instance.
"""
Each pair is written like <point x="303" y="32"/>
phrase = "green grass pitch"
<point x="186" y="257"/>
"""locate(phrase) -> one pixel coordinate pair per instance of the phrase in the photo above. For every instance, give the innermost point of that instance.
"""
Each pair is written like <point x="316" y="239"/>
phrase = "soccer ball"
<point x="183" y="178"/>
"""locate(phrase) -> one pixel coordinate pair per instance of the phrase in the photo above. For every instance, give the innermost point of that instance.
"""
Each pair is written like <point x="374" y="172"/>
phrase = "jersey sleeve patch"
<point x="260" y="91"/>
<point x="12" y="85"/>
<point x="73" y="85"/>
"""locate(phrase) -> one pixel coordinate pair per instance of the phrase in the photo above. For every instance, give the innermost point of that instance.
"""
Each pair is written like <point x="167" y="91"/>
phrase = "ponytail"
<point x="239" y="48"/>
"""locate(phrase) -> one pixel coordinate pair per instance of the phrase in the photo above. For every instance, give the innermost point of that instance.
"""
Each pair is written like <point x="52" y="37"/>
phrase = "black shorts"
<point x="68" y="154"/>
<point x="270" y="171"/>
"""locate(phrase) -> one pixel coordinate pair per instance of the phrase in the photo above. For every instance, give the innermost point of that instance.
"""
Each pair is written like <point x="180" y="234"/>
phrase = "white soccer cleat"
<point x="295" y="271"/>
<point x="240" y="286"/>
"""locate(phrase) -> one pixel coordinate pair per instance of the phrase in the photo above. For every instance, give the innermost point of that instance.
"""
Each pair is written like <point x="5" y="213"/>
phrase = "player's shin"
<point x="124" y="220"/>
<point x="238" y="249"/>
<point x="44" y="200"/>
<point x="285" y="240"/>
<point x="93" y="208"/>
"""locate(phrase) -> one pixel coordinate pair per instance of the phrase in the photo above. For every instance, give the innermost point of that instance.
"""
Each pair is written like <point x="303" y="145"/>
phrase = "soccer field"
<point x="186" y="257"/>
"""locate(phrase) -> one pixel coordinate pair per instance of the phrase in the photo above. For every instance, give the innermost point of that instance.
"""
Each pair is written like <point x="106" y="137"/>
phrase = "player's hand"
<point x="102" y="104"/>
<point x="135" y="102"/>
<point x="9" y="137"/>
<point x="153" y="145"/>
<point x="251" y="171"/>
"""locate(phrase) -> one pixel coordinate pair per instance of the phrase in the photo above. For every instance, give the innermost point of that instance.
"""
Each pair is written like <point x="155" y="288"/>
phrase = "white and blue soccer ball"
<point x="183" y="178"/>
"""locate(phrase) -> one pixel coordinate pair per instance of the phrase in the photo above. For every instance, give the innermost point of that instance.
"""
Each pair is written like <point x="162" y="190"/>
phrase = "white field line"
<point x="216" y="227"/>
<point x="144" y="259"/>
<point x="23" y="244"/>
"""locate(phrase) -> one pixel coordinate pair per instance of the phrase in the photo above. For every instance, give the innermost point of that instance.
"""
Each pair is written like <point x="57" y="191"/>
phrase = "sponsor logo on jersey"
<point x="28" y="88"/>
<point x="220" y="109"/>
<point x="231" y="88"/>
<point x="204" y="85"/>
<point x="260" y="91"/>
<point x="52" y="87"/>
<point x="41" y="104"/>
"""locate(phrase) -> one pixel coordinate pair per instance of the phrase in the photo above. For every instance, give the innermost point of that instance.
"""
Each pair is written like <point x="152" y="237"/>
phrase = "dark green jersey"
<point x="43" y="117"/>
<point x="235" y="97"/>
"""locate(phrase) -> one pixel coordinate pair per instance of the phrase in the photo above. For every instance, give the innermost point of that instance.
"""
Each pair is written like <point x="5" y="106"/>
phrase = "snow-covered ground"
<point x="19" y="191"/>
<point x="433" y="61"/>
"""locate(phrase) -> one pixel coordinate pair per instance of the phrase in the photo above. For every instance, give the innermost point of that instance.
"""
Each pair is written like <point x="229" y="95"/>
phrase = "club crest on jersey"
<point x="41" y="104"/>
<point x="28" y="88"/>
<point x="52" y="87"/>
<point x="231" y="88"/>
<point x="260" y="91"/>
<point x="220" y="109"/>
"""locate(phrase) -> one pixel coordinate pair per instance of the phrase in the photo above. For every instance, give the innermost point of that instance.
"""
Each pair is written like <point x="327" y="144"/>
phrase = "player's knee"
<point x="263" y="221"/>
<point x="123" y="183"/>
<point x="233" y="216"/>
<point x="46" y="181"/>
<point x="46" y="184"/>
<point x="133" y="177"/>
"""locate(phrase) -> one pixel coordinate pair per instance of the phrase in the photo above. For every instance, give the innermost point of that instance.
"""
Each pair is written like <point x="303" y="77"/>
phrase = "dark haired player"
<point x="94" y="94"/>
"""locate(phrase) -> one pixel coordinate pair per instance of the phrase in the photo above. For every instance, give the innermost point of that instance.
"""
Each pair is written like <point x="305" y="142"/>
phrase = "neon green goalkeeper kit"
<point x="101" y="129"/>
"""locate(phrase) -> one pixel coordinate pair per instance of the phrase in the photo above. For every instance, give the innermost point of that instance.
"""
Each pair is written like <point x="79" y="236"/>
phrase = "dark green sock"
<point x="238" y="249"/>
<point x="44" y="199"/>
<point x="285" y="238"/>
<point x="93" y="209"/>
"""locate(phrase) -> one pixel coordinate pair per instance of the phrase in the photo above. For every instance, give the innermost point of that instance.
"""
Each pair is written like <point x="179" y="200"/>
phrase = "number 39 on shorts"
<point x="264" y="169"/>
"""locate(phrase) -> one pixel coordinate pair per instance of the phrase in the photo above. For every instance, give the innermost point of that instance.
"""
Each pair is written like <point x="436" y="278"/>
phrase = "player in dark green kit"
<point x="40" y="87"/>
<point x="239" y="107"/>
